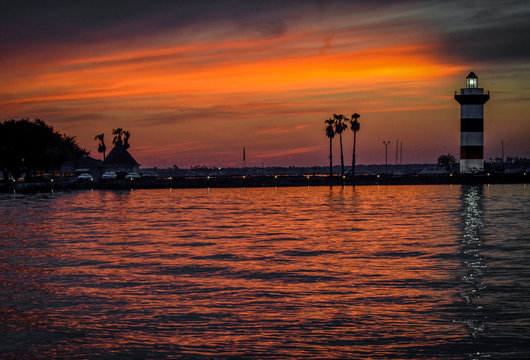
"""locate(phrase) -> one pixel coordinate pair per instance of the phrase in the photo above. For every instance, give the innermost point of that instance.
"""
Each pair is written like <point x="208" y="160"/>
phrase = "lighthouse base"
<point x="468" y="166"/>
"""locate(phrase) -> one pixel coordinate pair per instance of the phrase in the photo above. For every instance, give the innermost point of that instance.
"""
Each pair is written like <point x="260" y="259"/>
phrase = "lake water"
<point x="403" y="272"/>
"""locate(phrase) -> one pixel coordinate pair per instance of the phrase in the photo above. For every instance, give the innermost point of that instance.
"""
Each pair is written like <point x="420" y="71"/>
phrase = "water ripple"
<point x="409" y="272"/>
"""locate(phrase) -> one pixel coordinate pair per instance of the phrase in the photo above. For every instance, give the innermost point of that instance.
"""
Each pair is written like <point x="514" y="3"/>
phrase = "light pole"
<point x="386" y="156"/>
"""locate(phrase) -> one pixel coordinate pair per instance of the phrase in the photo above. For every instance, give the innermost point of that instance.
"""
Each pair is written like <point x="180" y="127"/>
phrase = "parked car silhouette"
<point x="85" y="176"/>
<point x="132" y="176"/>
<point x="109" y="175"/>
<point x="148" y="175"/>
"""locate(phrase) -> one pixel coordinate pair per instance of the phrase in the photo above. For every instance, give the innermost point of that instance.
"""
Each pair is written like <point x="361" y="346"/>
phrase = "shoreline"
<point x="260" y="181"/>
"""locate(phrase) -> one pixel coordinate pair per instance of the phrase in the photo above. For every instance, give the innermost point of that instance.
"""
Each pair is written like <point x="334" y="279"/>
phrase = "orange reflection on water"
<point x="293" y="272"/>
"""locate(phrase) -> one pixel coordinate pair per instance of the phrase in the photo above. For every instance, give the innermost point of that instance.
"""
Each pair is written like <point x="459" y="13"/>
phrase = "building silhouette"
<point x="120" y="161"/>
<point x="471" y="100"/>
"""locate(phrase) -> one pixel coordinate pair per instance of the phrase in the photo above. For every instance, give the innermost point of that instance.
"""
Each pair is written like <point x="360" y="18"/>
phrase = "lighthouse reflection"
<point x="474" y="265"/>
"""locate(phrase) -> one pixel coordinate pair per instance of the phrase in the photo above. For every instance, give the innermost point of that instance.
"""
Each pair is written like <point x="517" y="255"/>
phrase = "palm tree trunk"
<point x="341" y="157"/>
<point x="353" y="157"/>
<point x="330" y="160"/>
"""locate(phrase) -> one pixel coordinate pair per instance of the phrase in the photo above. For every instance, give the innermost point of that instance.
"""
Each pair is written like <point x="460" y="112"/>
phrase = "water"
<point x="404" y="272"/>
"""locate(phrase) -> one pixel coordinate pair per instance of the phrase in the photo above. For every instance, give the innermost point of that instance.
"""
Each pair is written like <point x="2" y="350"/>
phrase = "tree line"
<point x="31" y="146"/>
<point x="337" y="125"/>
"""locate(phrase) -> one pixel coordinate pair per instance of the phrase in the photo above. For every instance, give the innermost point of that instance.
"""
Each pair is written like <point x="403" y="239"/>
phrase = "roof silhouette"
<point x="472" y="75"/>
<point x="120" y="156"/>
<point x="86" y="161"/>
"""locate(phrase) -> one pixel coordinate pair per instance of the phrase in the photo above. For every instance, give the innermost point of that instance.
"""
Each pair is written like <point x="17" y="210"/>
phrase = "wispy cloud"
<point x="243" y="72"/>
<point x="274" y="154"/>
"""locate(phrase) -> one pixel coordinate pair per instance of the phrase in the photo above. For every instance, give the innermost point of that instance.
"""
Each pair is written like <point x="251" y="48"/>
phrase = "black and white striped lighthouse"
<point x="471" y="100"/>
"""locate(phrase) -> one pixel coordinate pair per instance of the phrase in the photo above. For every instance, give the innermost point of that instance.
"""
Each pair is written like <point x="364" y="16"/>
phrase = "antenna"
<point x="397" y="145"/>
<point x="401" y="153"/>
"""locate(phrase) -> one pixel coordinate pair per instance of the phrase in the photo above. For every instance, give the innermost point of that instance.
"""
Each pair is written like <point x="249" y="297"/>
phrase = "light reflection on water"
<point x="365" y="272"/>
<point x="472" y="212"/>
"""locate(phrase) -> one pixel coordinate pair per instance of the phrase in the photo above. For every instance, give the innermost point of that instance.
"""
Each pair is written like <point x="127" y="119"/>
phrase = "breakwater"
<point x="259" y="181"/>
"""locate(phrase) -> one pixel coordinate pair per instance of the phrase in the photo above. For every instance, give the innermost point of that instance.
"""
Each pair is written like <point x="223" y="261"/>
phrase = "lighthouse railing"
<point x="474" y="91"/>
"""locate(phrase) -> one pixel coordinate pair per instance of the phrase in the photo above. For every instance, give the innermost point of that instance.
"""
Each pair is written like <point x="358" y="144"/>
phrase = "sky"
<point x="196" y="81"/>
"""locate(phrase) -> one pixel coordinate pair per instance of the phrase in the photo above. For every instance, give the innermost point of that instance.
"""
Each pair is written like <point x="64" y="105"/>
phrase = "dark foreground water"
<point x="404" y="272"/>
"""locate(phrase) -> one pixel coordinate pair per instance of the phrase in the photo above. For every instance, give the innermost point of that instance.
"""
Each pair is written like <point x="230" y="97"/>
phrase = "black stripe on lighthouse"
<point x="472" y="125"/>
<point x="471" y="152"/>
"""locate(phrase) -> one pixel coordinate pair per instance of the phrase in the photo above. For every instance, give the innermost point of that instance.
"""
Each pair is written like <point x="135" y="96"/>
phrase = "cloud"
<point x="33" y="23"/>
<point x="492" y="33"/>
<point x="483" y="31"/>
<point x="274" y="154"/>
<point x="239" y="72"/>
<point x="282" y="129"/>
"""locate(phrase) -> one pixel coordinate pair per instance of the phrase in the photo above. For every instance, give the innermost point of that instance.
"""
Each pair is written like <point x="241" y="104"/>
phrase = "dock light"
<point x="378" y="176"/>
<point x="488" y="174"/>
<point x="170" y="178"/>
<point x="344" y="176"/>
<point x="208" y="177"/>
<point x="276" y="177"/>
<point x="244" y="177"/>
<point x="450" y="174"/>
<point x="51" y="180"/>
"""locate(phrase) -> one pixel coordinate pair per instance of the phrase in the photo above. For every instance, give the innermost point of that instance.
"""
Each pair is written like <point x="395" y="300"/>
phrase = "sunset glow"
<point x="196" y="93"/>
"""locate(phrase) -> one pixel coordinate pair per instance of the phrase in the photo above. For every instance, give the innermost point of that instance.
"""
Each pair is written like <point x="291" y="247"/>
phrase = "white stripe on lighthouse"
<point x="472" y="111"/>
<point x="471" y="138"/>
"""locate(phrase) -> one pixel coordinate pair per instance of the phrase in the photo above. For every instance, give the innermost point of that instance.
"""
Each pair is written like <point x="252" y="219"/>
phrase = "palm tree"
<point x="330" y="133"/>
<point x="354" y="126"/>
<point x="126" y="136"/>
<point x="340" y="126"/>
<point x="117" y="136"/>
<point x="447" y="161"/>
<point x="101" y="147"/>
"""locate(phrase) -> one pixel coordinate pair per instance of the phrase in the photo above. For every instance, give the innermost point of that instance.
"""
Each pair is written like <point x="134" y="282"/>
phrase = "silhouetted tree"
<point x="448" y="162"/>
<point x="102" y="148"/>
<point x="126" y="136"/>
<point x="121" y="138"/>
<point x="354" y="126"/>
<point x="30" y="146"/>
<point x="340" y="126"/>
<point x="117" y="136"/>
<point x="329" y="130"/>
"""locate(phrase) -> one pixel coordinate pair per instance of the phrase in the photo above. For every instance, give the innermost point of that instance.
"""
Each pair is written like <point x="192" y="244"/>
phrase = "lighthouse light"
<point x="472" y="83"/>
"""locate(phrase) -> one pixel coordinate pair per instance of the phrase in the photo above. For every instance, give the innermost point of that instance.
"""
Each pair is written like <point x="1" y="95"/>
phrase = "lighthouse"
<point x="471" y="100"/>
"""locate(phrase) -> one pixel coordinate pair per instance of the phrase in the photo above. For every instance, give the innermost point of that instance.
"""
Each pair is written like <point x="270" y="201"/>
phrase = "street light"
<point x="386" y="156"/>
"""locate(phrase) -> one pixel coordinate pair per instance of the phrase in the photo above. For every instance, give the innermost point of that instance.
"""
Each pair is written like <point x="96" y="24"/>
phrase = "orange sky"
<point x="196" y="94"/>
